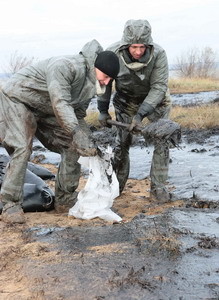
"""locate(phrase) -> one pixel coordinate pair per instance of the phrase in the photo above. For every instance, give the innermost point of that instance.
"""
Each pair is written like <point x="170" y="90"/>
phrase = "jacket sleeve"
<point x="104" y="100"/>
<point x="158" y="83"/>
<point x="60" y="76"/>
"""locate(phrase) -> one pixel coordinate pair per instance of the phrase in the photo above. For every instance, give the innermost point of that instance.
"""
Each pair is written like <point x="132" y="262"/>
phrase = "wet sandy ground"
<point x="168" y="256"/>
<point x="165" y="252"/>
<point x="159" y="251"/>
<point x="168" y="252"/>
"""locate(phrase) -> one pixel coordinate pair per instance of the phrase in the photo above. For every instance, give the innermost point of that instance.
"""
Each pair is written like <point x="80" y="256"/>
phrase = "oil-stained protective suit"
<point x="48" y="100"/>
<point x="141" y="91"/>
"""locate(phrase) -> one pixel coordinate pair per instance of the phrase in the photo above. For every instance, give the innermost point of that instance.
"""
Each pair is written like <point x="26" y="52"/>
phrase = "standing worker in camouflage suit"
<point x="49" y="100"/>
<point x="141" y="91"/>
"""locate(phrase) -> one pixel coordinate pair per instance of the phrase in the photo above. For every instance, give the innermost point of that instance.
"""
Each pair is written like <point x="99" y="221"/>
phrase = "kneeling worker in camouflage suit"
<point x="49" y="100"/>
<point x="141" y="91"/>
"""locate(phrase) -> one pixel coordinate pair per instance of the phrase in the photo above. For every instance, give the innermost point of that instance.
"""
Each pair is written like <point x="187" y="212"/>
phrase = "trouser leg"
<point x="160" y="162"/>
<point x="159" y="165"/>
<point x="12" y="186"/>
<point x="54" y="138"/>
<point x="67" y="178"/>
<point x="121" y="162"/>
<point x="18" y="125"/>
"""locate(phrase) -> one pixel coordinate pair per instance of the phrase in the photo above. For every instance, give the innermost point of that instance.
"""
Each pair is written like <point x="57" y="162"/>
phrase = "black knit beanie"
<point x="108" y="63"/>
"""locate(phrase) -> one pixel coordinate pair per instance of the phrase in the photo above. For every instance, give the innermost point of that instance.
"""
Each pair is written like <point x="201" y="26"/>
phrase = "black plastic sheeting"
<point x="37" y="194"/>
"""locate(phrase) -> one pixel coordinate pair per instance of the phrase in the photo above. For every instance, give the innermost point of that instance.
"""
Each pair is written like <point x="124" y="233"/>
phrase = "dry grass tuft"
<point x="192" y="85"/>
<point x="194" y="117"/>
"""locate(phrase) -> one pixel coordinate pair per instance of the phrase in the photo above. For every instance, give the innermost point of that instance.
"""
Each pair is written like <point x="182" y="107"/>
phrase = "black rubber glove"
<point x="82" y="143"/>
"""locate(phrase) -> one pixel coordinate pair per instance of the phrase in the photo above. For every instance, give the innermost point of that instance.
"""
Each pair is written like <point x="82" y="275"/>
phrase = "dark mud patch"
<point x="209" y="242"/>
<point x="173" y="255"/>
<point x="201" y="204"/>
<point x="199" y="136"/>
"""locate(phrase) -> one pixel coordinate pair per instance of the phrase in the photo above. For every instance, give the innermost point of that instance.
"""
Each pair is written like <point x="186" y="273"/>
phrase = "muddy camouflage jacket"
<point x="145" y="80"/>
<point x="60" y="86"/>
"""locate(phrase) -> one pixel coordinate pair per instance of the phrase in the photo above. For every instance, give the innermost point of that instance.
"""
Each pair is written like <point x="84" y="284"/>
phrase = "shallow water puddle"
<point x="194" y="169"/>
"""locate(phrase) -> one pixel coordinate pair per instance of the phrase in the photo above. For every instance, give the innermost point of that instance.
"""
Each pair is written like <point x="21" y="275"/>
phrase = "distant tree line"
<point x="195" y="63"/>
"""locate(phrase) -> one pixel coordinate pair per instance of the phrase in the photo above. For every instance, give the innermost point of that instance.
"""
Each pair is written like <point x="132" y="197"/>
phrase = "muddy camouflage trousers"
<point x="18" y="126"/>
<point x="160" y="161"/>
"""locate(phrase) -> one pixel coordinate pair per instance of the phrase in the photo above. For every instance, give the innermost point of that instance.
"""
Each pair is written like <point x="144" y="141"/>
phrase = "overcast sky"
<point x="45" y="28"/>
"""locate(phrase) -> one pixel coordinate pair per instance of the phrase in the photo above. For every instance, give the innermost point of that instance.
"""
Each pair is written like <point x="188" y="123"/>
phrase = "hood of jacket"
<point x="136" y="32"/>
<point x="90" y="52"/>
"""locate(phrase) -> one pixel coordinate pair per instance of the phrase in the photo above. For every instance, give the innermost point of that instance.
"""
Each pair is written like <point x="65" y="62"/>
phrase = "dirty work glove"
<point x="82" y="143"/>
<point x="136" y="122"/>
<point x="144" y="110"/>
<point x="103" y="107"/>
<point x="103" y="117"/>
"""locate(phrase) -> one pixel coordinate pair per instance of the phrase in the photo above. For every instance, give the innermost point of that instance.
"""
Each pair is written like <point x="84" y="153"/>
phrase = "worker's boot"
<point x="12" y="213"/>
<point x="62" y="205"/>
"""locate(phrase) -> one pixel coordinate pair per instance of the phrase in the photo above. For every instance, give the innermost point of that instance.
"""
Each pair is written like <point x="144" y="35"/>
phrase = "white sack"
<point x="102" y="187"/>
